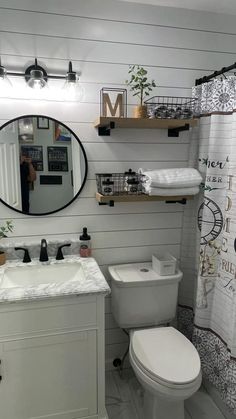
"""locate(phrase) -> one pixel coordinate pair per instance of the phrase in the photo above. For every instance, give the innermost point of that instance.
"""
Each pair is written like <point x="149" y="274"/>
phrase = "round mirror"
<point x="43" y="165"/>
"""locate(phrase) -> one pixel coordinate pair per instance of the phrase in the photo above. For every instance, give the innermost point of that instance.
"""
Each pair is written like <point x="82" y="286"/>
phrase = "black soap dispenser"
<point x="85" y="245"/>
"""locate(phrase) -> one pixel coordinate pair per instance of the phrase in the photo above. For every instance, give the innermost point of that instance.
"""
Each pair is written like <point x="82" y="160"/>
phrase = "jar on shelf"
<point x="107" y="187"/>
<point x="132" y="182"/>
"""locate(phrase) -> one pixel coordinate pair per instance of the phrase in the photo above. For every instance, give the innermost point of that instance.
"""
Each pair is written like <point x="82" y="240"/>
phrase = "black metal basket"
<point x="170" y="107"/>
<point x="127" y="183"/>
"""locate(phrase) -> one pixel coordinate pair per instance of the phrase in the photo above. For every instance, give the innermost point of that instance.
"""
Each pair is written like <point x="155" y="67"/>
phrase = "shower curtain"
<point x="209" y="239"/>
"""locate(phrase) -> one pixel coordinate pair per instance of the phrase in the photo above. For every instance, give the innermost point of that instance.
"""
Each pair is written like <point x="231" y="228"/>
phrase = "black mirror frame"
<point x="85" y="160"/>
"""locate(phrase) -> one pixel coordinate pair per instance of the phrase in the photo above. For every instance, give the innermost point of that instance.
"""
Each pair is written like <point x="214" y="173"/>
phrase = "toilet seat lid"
<point x="166" y="354"/>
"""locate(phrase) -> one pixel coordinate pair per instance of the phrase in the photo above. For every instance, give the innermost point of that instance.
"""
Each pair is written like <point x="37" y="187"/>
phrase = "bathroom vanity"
<point x="52" y="343"/>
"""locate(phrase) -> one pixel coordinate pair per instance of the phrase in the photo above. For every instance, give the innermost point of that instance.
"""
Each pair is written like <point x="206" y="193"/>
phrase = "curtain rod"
<point x="205" y="79"/>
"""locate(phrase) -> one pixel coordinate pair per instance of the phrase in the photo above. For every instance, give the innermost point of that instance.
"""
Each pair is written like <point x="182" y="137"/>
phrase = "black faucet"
<point x="26" y="258"/>
<point x="43" y="257"/>
<point x="59" y="255"/>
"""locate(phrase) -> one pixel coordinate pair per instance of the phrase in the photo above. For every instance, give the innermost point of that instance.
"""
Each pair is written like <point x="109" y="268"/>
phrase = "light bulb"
<point x="5" y="84"/>
<point x="36" y="80"/>
<point x="73" y="91"/>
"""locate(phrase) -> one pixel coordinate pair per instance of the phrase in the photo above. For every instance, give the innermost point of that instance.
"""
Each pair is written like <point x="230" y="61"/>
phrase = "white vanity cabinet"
<point x="52" y="358"/>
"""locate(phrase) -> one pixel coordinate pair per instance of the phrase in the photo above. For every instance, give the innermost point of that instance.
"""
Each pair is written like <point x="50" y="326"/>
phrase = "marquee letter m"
<point x="107" y="105"/>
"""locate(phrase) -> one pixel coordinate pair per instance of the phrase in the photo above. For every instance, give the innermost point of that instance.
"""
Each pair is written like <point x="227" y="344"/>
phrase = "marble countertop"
<point x="92" y="283"/>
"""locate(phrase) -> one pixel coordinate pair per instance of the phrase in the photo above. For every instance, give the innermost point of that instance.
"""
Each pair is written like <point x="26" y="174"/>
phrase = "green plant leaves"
<point x="139" y="83"/>
<point x="4" y="229"/>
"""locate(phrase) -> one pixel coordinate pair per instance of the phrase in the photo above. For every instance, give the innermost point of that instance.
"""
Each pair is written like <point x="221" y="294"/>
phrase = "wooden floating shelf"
<point x="105" y="124"/>
<point x="110" y="199"/>
<point x="144" y="123"/>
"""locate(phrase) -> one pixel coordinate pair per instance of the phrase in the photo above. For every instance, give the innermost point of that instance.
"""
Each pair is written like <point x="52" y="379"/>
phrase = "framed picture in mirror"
<point x="57" y="159"/>
<point x="42" y="123"/>
<point x="35" y="154"/>
<point x="62" y="134"/>
<point x="26" y="130"/>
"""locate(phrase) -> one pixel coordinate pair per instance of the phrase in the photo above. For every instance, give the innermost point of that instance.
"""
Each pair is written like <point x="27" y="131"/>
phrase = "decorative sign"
<point x="57" y="159"/>
<point x="50" y="180"/>
<point x="113" y="102"/>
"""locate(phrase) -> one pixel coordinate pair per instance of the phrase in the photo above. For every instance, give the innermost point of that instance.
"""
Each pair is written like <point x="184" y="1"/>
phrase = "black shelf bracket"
<point x="110" y="203"/>
<point x="182" y="201"/>
<point x="105" y="130"/>
<point x="174" y="132"/>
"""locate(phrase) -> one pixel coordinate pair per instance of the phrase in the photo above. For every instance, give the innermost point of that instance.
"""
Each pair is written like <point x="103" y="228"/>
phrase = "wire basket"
<point x="127" y="183"/>
<point x="170" y="107"/>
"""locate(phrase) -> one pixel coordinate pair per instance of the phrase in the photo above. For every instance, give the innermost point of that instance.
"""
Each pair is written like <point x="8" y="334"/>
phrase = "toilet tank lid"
<point x="166" y="354"/>
<point x="135" y="274"/>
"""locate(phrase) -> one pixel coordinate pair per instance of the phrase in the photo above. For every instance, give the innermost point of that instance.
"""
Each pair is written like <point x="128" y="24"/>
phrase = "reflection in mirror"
<point x="43" y="165"/>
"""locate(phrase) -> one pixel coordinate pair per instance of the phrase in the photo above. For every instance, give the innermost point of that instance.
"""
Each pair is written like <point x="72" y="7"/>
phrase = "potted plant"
<point x="4" y="229"/>
<point x="141" y="87"/>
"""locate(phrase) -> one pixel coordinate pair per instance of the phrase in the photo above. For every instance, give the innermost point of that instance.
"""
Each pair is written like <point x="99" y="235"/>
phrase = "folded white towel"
<point x="194" y="190"/>
<point x="172" y="178"/>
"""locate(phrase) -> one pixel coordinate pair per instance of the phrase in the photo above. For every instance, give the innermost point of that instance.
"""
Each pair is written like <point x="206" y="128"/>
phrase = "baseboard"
<point x="217" y="399"/>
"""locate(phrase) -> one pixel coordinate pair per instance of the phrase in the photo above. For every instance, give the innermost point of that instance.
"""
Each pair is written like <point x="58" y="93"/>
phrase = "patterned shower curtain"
<point x="209" y="248"/>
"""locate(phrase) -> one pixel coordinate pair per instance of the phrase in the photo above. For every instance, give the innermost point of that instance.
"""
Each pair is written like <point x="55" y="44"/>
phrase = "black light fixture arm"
<point x="205" y="79"/>
<point x="71" y="75"/>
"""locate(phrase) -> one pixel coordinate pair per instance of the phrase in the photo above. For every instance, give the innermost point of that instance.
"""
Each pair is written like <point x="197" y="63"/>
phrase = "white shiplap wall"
<point x="102" y="38"/>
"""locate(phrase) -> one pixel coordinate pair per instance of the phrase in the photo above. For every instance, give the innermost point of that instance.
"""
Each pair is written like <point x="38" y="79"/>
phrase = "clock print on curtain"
<point x="213" y="219"/>
<point x="214" y="266"/>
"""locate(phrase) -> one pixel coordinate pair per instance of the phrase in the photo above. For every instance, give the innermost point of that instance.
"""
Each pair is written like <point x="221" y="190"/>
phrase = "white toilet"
<point x="165" y="362"/>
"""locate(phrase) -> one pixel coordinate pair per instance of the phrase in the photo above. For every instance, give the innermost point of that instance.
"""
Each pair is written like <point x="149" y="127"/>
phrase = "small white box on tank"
<point x="164" y="263"/>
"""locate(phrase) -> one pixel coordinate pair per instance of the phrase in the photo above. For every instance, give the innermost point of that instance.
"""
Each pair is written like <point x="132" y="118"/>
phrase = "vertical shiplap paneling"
<point x="102" y="39"/>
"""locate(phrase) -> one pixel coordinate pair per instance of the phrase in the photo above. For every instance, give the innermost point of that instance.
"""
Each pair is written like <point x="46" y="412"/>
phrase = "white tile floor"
<point x="124" y="399"/>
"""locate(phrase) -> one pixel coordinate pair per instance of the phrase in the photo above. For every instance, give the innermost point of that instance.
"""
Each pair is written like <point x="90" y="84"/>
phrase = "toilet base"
<point x="159" y="408"/>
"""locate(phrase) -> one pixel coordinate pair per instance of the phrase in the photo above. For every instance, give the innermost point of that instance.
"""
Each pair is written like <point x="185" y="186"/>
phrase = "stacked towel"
<point x="172" y="191"/>
<point x="175" y="182"/>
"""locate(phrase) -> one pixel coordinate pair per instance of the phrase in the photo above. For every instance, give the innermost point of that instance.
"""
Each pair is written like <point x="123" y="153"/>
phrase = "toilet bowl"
<point x="165" y="362"/>
<point x="168" y="367"/>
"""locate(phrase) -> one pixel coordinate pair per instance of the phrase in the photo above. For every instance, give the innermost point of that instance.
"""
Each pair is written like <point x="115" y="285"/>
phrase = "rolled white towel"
<point x="172" y="178"/>
<point x="194" y="190"/>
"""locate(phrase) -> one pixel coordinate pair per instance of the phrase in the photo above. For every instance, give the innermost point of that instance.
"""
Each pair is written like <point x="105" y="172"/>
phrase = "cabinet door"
<point x="49" y="377"/>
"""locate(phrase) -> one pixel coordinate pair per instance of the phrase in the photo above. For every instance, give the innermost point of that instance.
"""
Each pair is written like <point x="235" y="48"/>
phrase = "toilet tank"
<point x="141" y="297"/>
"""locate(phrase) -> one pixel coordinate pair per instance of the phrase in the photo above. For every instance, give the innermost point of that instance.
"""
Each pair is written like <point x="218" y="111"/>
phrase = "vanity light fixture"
<point x="37" y="78"/>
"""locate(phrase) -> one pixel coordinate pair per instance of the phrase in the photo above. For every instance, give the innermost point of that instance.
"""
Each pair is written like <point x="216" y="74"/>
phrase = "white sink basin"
<point x="26" y="276"/>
